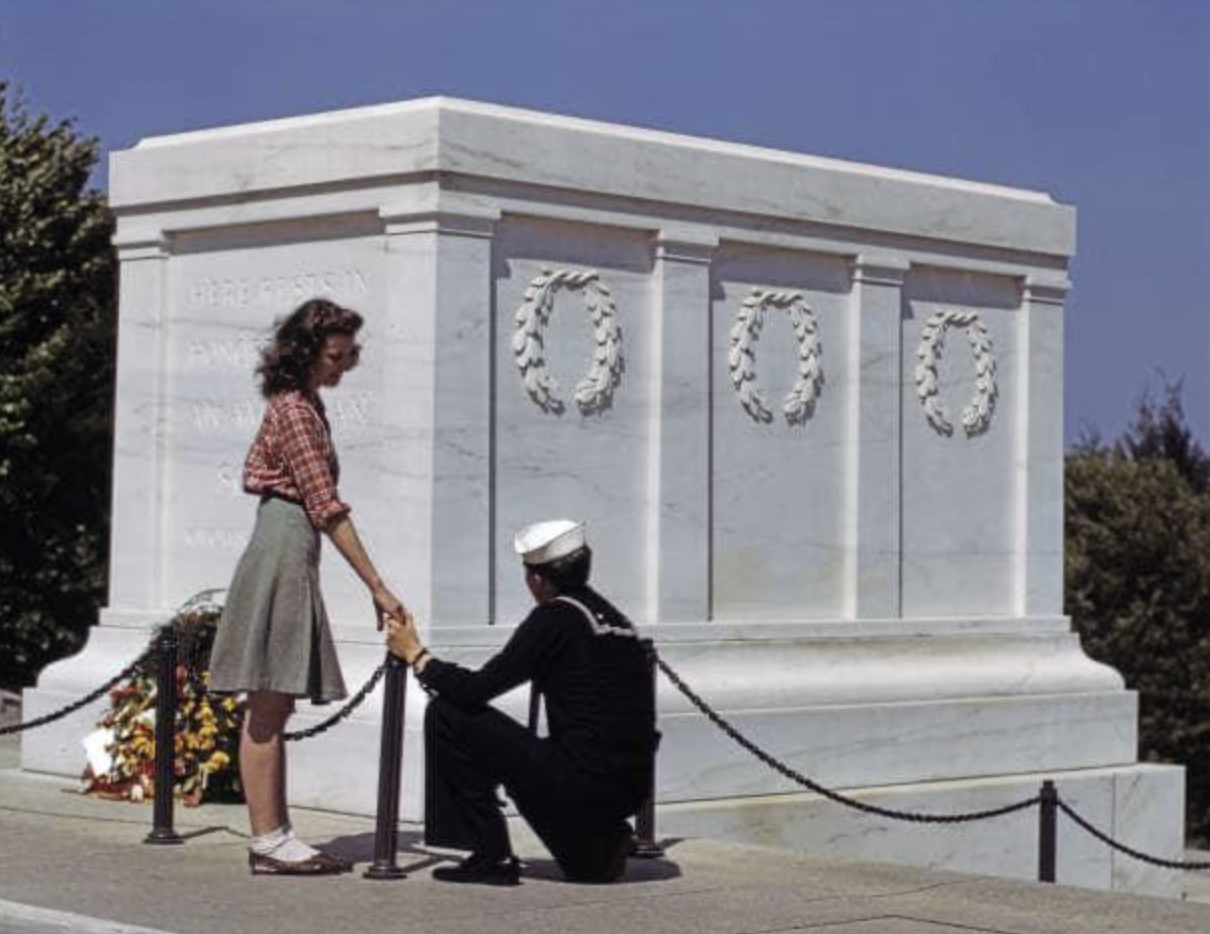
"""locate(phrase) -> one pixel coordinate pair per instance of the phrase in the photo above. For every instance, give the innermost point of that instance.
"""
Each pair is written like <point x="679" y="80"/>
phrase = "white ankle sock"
<point x="282" y="844"/>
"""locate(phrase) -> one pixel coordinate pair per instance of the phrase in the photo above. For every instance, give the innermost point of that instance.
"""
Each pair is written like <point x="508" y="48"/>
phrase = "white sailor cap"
<point x="548" y="541"/>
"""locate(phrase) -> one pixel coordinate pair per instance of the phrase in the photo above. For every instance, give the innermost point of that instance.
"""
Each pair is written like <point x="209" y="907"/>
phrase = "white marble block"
<point x="811" y="411"/>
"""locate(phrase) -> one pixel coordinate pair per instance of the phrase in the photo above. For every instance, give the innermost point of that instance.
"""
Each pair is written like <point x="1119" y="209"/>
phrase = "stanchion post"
<point x="645" y="846"/>
<point x="1048" y="832"/>
<point x="162" y="831"/>
<point x="390" y="768"/>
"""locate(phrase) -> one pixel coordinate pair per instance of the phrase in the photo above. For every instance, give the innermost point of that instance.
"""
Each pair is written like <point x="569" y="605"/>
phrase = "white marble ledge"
<point x="720" y="633"/>
<point x="839" y="671"/>
<point x="884" y="671"/>
<point x="852" y="745"/>
<point x="324" y="209"/>
<point x="488" y="636"/>
<point x="142" y="620"/>
<point x="487" y="141"/>
<point x="739" y="230"/>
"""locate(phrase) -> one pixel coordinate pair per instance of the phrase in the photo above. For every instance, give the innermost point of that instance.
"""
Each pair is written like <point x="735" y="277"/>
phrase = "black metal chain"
<point x="200" y="690"/>
<point x="344" y="713"/>
<point x="1122" y="848"/>
<point x="85" y="700"/>
<point x="836" y="796"/>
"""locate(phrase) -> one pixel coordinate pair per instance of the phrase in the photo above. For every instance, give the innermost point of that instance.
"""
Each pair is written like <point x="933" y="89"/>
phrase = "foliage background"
<point x="1137" y="556"/>
<point x="57" y="332"/>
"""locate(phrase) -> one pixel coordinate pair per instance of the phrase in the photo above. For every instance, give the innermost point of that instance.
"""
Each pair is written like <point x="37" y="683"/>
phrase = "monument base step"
<point x="1139" y="805"/>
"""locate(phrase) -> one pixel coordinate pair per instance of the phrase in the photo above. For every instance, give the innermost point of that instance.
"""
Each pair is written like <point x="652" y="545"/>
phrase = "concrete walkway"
<point x="74" y="863"/>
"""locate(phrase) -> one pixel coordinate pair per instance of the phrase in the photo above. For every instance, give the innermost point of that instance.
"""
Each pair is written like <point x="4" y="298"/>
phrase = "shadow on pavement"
<point x="359" y="848"/>
<point x="637" y="871"/>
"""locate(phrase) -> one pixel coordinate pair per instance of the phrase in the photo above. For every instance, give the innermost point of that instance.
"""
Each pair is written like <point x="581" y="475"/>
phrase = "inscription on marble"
<point x="351" y="410"/>
<point x="212" y="538"/>
<point x="230" y="478"/>
<point x="277" y="291"/>
<point x="240" y="353"/>
<point x="211" y="415"/>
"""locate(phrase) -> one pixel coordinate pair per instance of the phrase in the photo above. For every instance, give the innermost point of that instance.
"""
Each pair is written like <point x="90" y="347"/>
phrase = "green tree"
<point x="1138" y="584"/>
<point x="1159" y="431"/>
<point x="57" y="332"/>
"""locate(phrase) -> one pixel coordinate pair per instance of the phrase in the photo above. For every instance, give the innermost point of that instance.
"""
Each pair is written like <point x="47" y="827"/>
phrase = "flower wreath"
<point x="122" y="749"/>
<point x="978" y="413"/>
<point x="594" y="392"/>
<point x="799" y="402"/>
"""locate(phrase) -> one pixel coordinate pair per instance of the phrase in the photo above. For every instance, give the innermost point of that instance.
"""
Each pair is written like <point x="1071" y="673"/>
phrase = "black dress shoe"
<point x="479" y="869"/>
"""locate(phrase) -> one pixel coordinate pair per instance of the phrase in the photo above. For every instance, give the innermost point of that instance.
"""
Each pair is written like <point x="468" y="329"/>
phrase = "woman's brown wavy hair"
<point x="286" y="364"/>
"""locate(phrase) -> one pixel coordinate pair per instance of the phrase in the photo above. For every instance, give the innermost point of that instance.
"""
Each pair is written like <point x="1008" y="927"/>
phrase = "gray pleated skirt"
<point x="274" y="633"/>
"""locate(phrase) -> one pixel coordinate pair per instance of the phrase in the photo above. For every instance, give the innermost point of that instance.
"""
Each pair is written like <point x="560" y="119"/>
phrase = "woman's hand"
<point x="403" y="641"/>
<point x="386" y="604"/>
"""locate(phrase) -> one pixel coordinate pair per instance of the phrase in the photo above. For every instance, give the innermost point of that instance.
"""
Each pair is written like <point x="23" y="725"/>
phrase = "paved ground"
<point x="73" y="863"/>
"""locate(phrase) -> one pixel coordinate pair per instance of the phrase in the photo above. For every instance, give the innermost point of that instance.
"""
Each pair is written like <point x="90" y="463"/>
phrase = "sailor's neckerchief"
<point x="598" y="628"/>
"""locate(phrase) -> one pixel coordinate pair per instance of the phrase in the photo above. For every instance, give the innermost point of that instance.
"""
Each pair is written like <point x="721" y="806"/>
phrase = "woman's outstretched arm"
<point x="344" y="536"/>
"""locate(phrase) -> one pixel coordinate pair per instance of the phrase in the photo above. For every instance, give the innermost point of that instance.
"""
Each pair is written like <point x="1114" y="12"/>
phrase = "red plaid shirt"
<point x="293" y="457"/>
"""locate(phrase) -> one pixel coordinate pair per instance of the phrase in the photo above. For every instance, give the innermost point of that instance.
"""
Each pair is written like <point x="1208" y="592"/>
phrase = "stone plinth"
<point x="811" y="411"/>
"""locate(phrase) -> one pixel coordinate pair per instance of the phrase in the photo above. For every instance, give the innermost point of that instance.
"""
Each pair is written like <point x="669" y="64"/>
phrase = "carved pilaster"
<point x="872" y="448"/>
<point x="679" y="456"/>
<point x="440" y="388"/>
<point x="136" y="569"/>
<point x="1039" y="586"/>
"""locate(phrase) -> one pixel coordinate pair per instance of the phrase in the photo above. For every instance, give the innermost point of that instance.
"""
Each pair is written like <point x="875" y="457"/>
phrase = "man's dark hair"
<point x="569" y="572"/>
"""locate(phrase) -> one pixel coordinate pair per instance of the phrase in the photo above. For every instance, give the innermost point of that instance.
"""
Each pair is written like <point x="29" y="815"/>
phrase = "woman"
<point x="274" y="641"/>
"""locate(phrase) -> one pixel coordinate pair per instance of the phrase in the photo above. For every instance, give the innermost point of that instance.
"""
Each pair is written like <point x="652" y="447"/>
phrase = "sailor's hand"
<point x="403" y="640"/>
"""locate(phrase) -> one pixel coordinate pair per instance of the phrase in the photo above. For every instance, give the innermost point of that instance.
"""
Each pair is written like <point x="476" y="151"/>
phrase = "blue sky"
<point x="1103" y="103"/>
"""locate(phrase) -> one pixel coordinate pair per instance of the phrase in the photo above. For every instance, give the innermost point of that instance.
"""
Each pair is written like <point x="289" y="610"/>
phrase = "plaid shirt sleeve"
<point x="306" y="450"/>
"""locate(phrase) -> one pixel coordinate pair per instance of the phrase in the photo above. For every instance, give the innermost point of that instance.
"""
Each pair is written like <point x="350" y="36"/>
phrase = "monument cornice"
<point x="142" y="245"/>
<point x="464" y="223"/>
<point x="686" y="246"/>
<point x="880" y="270"/>
<point x="1038" y="290"/>
<point x="446" y="135"/>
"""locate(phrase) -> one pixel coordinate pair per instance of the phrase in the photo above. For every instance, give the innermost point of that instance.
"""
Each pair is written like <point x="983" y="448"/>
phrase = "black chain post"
<point x="162" y="831"/>
<point x="390" y="768"/>
<point x="1047" y="832"/>
<point x="644" y="845"/>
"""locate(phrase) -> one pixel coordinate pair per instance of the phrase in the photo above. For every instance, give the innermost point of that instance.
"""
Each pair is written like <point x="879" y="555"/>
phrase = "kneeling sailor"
<point x="575" y="787"/>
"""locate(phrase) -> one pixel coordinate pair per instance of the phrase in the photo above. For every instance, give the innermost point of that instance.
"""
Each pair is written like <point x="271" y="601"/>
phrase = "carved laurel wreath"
<point x="799" y="402"/>
<point x="594" y="392"/>
<point x="977" y="415"/>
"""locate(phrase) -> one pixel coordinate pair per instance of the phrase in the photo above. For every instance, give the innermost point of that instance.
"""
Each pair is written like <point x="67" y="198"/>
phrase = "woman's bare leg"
<point x="283" y="807"/>
<point x="262" y="759"/>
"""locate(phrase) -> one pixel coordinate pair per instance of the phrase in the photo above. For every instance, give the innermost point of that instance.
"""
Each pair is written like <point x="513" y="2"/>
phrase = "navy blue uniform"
<point x="576" y="786"/>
